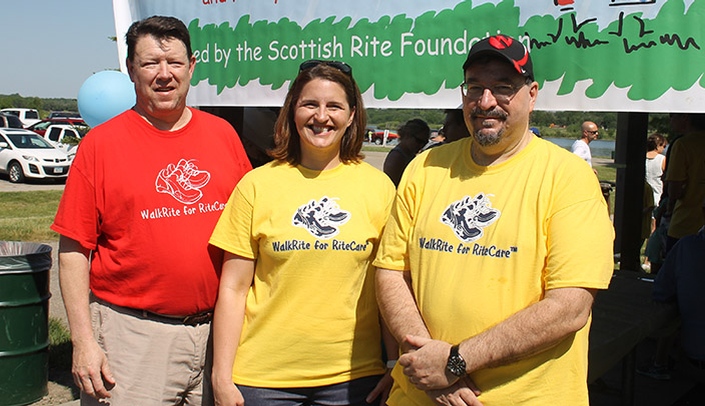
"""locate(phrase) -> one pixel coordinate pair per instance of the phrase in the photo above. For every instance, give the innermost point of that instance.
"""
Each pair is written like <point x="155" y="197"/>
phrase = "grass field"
<point x="606" y="172"/>
<point x="26" y="216"/>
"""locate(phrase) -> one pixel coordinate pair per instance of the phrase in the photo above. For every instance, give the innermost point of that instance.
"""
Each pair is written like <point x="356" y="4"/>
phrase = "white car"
<point x="58" y="134"/>
<point x="27" y="116"/>
<point x="24" y="154"/>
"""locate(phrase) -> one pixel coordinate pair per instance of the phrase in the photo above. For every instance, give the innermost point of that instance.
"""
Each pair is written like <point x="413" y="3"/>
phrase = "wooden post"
<point x="630" y="156"/>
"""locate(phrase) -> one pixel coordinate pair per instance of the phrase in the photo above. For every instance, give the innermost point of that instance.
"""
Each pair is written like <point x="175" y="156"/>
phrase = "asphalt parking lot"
<point x="7" y="186"/>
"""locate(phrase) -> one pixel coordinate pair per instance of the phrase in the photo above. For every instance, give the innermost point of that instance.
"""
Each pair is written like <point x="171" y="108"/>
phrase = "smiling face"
<point x="497" y="122"/>
<point x="161" y="72"/>
<point x="322" y="115"/>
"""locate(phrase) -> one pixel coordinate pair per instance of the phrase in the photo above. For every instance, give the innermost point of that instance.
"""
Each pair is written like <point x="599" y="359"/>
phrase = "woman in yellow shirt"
<point x="296" y="321"/>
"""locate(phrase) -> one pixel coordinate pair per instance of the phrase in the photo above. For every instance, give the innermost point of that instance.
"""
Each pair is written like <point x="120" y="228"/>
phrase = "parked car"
<point x="8" y="120"/>
<point x="41" y="127"/>
<point x="63" y="136"/>
<point x="378" y="137"/>
<point x="24" y="154"/>
<point x="26" y="116"/>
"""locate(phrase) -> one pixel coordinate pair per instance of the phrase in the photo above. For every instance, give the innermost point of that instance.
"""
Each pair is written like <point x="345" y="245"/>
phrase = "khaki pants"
<point x="153" y="363"/>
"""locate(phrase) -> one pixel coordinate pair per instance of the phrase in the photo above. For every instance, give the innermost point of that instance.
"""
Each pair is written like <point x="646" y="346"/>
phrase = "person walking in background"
<point x="296" y="322"/>
<point x="137" y="275"/>
<point x="485" y="288"/>
<point x="655" y="163"/>
<point x="581" y="146"/>
<point x="413" y="135"/>
<point x="682" y="280"/>
<point x="655" y="166"/>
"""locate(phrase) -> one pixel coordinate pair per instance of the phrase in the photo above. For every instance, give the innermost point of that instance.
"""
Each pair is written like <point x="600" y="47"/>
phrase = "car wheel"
<point x="378" y="141"/>
<point x="15" y="172"/>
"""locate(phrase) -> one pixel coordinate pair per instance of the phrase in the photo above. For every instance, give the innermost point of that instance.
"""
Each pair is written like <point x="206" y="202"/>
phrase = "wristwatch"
<point x="456" y="364"/>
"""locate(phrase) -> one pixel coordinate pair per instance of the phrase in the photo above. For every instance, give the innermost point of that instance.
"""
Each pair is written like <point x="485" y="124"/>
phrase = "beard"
<point x="488" y="136"/>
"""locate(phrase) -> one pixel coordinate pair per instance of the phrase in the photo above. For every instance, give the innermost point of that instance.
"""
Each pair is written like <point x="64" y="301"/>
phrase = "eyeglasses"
<point x="341" y="66"/>
<point x="592" y="132"/>
<point x="502" y="92"/>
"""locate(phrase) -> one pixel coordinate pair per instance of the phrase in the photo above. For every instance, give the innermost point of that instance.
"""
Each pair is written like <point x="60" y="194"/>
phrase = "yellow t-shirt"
<point x="311" y="316"/>
<point x="483" y="243"/>
<point x="686" y="164"/>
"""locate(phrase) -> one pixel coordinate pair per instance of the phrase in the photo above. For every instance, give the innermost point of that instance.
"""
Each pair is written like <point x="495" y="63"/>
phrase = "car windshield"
<point x="12" y="121"/>
<point x="29" y="141"/>
<point x="42" y="125"/>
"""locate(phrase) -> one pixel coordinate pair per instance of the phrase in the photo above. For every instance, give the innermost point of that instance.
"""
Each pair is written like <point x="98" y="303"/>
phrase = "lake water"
<point x="599" y="148"/>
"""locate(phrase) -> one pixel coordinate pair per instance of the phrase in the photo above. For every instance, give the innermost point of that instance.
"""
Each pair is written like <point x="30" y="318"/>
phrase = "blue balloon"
<point x="104" y="95"/>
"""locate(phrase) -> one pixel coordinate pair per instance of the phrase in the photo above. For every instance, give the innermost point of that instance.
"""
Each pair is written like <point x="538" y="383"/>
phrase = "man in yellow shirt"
<point x="685" y="177"/>
<point x="494" y="250"/>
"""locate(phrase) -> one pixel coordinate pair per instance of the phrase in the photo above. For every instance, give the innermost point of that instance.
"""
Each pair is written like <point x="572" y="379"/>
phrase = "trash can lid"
<point x="18" y="256"/>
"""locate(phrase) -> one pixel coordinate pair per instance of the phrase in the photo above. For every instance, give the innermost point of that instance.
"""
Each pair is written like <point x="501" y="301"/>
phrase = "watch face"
<point x="456" y="365"/>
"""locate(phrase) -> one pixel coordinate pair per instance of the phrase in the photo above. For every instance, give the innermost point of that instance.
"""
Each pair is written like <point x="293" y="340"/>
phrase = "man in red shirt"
<point x="146" y="188"/>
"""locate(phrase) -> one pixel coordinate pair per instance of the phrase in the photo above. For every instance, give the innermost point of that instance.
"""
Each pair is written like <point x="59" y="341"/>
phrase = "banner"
<point x="607" y="55"/>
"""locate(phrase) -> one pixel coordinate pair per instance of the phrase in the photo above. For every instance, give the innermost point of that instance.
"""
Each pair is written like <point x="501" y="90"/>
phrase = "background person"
<point x="296" y="320"/>
<point x="480" y="283"/>
<point x="454" y="128"/>
<point x="685" y="177"/>
<point x="682" y="280"/>
<point x="581" y="146"/>
<point x="655" y="163"/>
<point x="655" y="166"/>
<point x="413" y="135"/>
<point x="144" y="193"/>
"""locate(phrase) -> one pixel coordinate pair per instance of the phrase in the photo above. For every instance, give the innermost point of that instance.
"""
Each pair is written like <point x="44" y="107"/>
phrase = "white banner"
<point x="608" y="55"/>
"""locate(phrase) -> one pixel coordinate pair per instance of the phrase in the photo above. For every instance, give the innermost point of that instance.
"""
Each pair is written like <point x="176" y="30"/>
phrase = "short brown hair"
<point x="159" y="27"/>
<point x="287" y="142"/>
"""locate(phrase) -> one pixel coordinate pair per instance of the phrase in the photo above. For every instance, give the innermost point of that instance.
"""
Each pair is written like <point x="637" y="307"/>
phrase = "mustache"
<point x="494" y="113"/>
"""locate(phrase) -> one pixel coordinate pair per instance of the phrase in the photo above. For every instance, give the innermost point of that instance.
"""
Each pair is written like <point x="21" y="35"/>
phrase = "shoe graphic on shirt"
<point x="469" y="216"/>
<point x="182" y="181"/>
<point x="321" y="218"/>
<point x="197" y="179"/>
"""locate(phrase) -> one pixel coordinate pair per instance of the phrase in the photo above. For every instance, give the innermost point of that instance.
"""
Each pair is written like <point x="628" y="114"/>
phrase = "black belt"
<point x="697" y="363"/>
<point x="190" y="320"/>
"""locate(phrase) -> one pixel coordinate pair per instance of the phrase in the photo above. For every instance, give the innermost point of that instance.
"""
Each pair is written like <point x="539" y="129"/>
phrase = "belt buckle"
<point x="196" y="319"/>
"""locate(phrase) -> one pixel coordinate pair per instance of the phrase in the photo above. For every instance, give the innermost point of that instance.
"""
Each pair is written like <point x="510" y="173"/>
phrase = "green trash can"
<point x="24" y="321"/>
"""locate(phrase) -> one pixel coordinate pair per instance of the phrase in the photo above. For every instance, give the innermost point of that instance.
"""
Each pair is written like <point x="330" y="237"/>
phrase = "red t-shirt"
<point x="146" y="201"/>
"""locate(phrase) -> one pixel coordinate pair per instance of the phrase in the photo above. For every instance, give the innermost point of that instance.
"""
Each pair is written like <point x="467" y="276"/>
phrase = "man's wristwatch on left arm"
<point x="456" y="364"/>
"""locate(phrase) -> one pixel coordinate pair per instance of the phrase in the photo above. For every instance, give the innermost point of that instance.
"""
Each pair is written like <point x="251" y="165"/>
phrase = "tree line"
<point x="44" y="106"/>
<point x="557" y="124"/>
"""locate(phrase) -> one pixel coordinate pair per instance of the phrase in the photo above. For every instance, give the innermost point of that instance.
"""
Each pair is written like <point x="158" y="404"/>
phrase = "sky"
<point x="50" y="47"/>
